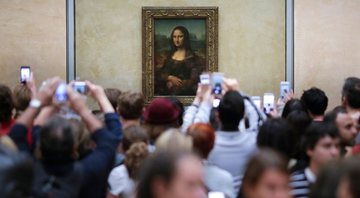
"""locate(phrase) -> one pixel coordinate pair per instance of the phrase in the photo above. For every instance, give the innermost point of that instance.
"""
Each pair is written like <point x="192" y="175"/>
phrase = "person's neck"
<point x="127" y="123"/>
<point x="314" y="167"/>
<point x="317" y="117"/>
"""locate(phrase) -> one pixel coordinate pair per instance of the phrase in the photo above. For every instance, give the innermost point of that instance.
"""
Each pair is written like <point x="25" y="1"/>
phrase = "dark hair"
<point x="161" y="165"/>
<point x="132" y="135"/>
<point x="293" y="105"/>
<point x="16" y="174"/>
<point x="331" y="176"/>
<point x="181" y="108"/>
<point x="231" y="110"/>
<point x="187" y="45"/>
<point x="203" y="136"/>
<point x="317" y="131"/>
<point x="57" y="141"/>
<point x="112" y="94"/>
<point x="332" y="115"/>
<point x="315" y="100"/>
<point x="130" y="105"/>
<point x="276" y="134"/>
<point x="6" y="103"/>
<point x="259" y="164"/>
<point x="299" y="122"/>
<point x="351" y="92"/>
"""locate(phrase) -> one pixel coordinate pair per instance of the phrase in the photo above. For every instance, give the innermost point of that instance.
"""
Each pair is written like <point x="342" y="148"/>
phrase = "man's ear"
<point x="309" y="152"/>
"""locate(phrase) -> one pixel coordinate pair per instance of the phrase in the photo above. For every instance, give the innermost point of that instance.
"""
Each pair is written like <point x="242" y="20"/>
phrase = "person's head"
<point x="293" y="105"/>
<point x="231" y="110"/>
<point x="338" y="180"/>
<point x="180" y="38"/>
<point x="173" y="140"/>
<point x="133" y="134"/>
<point x="351" y="93"/>
<point x="203" y="137"/>
<point x="266" y="176"/>
<point x="276" y="134"/>
<point x="16" y="174"/>
<point x="316" y="101"/>
<point x="82" y="137"/>
<point x="134" y="158"/>
<point x="112" y="94"/>
<point x="57" y="142"/>
<point x="169" y="174"/>
<point x="130" y="105"/>
<point x="321" y="143"/>
<point x="345" y="123"/>
<point x="180" y="105"/>
<point x="160" y="115"/>
<point x="6" y="103"/>
<point x="22" y="97"/>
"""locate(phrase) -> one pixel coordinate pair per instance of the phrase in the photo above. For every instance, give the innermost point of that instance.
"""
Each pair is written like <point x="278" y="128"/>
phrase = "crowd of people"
<point x="128" y="149"/>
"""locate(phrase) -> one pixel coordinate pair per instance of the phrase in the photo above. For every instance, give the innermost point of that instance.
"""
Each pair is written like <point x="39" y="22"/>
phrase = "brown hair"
<point x="135" y="157"/>
<point x="132" y="135"/>
<point x="259" y="164"/>
<point x="6" y="103"/>
<point x="112" y="94"/>
<point x="22" y="96"/>
<point x="155" y="130"/>
<point x="203" y="136"/>
<point x="130" y="105"/>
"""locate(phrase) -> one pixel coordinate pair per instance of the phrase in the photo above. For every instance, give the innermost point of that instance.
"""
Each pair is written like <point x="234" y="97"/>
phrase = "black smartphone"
<point x="25" y="73"/>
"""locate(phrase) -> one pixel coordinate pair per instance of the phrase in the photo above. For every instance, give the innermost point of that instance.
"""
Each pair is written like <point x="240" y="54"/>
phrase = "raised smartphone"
<point x="80" y="87"/>
<point x="216" y="82"/>
<point x="269" y="102"/>
<point x="61" y="93"/>
<point x="205" y="78"/>
<point x="284" y="89"/>
<point x="25" y="72"/>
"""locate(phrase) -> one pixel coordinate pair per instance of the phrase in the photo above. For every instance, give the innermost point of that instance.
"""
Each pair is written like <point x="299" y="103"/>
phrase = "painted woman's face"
<point x="178" y="38"/>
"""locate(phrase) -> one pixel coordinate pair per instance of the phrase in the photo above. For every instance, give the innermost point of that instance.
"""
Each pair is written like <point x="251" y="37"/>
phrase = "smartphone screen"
<point x="205" y="79"/>
<point x="80" y="87"/>
<point x="284" y="89"/>
<point x="24" y="74"/>
<point x="216" y="195"/>
<point x="61" y="93"/>
<point x="216" y="102"/>
<point x="269" y="102"/>
<point x="216" y="82"/>
<point x="257" y="101"/>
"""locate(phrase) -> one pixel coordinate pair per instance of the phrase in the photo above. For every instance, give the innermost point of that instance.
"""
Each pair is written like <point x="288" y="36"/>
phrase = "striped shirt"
<point x="301" y="182"/>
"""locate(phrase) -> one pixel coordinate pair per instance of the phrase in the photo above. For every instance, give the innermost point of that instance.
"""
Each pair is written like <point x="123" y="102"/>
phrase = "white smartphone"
<point x="205" y="78"/>
<point x="257" y="101"/>
<point x="216" y="82"/>
<point x="284" y="89"/>
<point x="61" y="93"/>
<point x="269" y="102"/>
<point x="216" y="195"/>
<point x="80" y="87"/>
<point x="24" y="74"/>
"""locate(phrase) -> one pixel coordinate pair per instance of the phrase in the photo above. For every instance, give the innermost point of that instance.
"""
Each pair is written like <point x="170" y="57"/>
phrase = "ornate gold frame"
<point x="149" y="14"/>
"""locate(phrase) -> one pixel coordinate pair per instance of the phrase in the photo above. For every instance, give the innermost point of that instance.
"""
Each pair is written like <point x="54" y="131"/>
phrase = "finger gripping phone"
<point x="284" y="89"/>
<point x="25" y="73"/>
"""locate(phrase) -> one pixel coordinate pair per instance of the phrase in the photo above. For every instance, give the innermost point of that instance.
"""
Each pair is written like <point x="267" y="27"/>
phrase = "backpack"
<point x="49" y="186"/>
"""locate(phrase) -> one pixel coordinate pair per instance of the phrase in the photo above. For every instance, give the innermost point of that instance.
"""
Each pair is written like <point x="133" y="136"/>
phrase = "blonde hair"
<point x="134" y="158"/>
<point x="174" y="140"/>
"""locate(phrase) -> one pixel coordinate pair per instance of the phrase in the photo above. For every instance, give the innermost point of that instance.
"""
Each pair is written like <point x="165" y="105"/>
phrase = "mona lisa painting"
<point x="178" y="45"/>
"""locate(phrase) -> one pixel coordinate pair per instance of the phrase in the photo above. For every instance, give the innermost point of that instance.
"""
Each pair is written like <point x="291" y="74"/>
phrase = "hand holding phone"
<point x="284" y="89"/>
<point x="25" y="73"/>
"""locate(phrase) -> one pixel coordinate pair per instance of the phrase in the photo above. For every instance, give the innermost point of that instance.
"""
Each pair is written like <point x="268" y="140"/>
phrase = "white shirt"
<point x="232" y="151"/>
<point x="120" y="182"/>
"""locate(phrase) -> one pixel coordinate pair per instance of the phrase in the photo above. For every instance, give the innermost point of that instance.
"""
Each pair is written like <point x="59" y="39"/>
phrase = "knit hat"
<point x="161" y="111"/>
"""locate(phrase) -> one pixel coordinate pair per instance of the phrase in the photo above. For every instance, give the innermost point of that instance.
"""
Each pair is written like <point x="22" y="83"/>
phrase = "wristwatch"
<point x="35" y="103"/>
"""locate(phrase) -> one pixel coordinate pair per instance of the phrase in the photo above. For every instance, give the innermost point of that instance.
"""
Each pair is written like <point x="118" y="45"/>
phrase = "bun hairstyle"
<point x="134" y="158"/>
